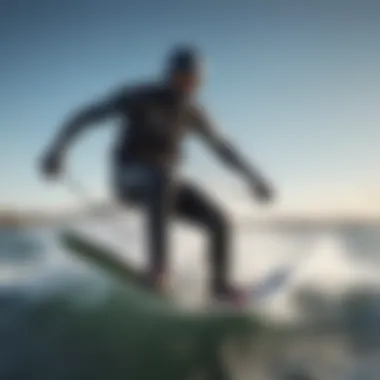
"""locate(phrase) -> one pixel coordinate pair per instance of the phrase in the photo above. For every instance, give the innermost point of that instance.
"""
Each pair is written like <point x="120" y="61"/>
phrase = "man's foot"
<point x="156" y="281"/>
<point x="230" y="295"/>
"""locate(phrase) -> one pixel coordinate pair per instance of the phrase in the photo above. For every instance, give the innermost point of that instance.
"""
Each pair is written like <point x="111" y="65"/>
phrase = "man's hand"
<point x="51" y="164"/>
<point x="262" y="191"/>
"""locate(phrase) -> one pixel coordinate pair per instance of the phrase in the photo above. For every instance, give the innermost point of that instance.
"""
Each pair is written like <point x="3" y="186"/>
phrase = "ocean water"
<point x="63" y="319"/>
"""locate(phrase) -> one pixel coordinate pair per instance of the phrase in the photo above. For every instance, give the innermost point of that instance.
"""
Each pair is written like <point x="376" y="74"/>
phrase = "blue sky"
<point x="297" y="85"/>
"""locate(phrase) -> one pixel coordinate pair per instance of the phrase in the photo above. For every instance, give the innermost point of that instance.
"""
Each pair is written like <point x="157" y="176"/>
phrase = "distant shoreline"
<point x="9" y="219"/>
<point x="29" y="219"/>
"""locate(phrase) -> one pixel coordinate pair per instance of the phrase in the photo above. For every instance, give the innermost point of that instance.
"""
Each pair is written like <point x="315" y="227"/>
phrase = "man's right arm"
<point x="87" y="116"/>
<point x="112" y="106"/>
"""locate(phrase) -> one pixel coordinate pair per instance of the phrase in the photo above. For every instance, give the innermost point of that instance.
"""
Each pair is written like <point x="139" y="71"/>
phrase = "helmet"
<point x="183" y="59"/>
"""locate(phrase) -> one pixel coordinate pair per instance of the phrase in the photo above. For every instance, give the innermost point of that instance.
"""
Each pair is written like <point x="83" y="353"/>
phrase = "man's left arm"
<point x="227" y="152"/>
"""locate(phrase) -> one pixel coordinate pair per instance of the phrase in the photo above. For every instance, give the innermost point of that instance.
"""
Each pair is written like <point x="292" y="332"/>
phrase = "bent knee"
<point x="218" y="223"/>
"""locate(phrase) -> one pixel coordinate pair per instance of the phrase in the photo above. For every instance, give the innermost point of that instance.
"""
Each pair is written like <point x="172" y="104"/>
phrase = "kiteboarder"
<point x="155" y="118"/>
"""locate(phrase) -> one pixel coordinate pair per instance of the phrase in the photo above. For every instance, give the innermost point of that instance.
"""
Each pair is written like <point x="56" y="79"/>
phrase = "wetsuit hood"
<point x="183" y="59"/>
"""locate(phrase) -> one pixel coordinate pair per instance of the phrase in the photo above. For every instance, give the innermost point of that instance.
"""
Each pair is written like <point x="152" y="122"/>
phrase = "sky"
<point x="295" y="84"/>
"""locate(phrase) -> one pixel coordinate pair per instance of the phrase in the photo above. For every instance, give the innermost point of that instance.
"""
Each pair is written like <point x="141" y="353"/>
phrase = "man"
<point x="155" y="119"/>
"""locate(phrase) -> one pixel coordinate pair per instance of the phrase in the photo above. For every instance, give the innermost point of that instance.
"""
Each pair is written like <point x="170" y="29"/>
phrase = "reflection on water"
<point x="19" y="244"/>
<point x="363" y="241"/>
<point x="62" y="320"/>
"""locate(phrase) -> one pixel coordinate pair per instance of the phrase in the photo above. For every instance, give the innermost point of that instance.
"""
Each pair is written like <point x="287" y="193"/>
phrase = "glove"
<point x="51" y="165"/>
<point x="262" y="191"/>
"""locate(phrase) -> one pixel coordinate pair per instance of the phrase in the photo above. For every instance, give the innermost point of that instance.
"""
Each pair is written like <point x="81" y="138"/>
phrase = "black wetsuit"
<point x="156" y="119"/>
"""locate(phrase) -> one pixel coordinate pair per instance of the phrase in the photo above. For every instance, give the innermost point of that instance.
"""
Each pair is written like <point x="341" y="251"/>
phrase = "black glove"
<point x="262" y="191"/>
<point x="51" y="164"/>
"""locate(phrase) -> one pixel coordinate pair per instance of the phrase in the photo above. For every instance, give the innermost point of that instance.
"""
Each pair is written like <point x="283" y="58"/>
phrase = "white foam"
<point x="325" y="263"/>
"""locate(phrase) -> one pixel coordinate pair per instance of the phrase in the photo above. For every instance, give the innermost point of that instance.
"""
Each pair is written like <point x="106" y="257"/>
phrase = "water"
<point x="62" y="319"/>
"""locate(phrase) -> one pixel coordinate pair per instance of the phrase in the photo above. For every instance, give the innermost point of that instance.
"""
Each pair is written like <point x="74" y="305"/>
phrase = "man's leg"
<point x="192" y="204"/>
<point x="151" y="190"/>
<point x="158" y="199"/>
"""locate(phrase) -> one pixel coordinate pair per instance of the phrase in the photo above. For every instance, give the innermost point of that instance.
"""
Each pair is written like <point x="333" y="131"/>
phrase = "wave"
<point x="56" y="307"/>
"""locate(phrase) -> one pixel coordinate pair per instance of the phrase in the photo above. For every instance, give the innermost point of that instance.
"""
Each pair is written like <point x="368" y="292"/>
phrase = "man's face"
<point x="187" y="83"/>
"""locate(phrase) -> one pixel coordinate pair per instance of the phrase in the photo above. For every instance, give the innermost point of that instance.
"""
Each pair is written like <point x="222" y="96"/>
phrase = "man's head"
<point x="184" y="69"/>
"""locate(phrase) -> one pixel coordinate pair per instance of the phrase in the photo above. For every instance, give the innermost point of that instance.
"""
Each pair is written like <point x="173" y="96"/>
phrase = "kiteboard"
<point x="92" y="251"/>
<point x="104" y="257"/>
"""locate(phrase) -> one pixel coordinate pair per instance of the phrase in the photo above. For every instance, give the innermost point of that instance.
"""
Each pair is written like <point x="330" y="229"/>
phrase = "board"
<point x="118" y="266"/>
<point x="102" y="257"/>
